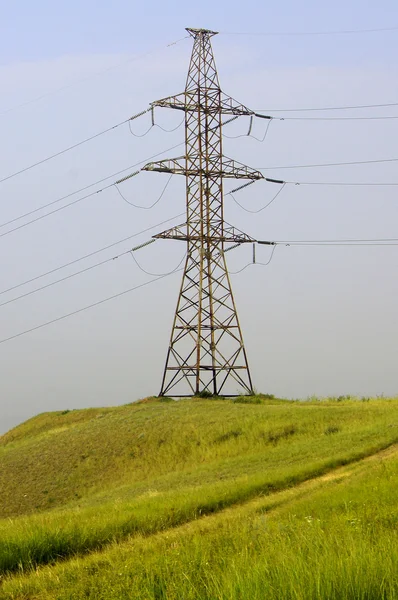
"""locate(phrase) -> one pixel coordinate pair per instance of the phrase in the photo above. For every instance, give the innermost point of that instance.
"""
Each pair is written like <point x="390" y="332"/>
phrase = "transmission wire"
<point x="90" y="254"/>
<point x="129" y="60"/>
<point x="145" y="207"/>
<point x="48" y="158"/>
<point x="156" y="274"/>
<point x="359" y="106"/>
<point x="310" y="33"/>
<point x="338" y="164"/>
<point x="76" y="192"/>
<point x="80" y="310"/>
<point x="99" y="264"/>
<point x="256" y="263"/>
<point x="260" y="209"/>
<point x="158" y="126"/>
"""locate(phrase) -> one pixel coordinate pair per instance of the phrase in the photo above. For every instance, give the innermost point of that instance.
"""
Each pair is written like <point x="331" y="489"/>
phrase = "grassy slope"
<point x="334" y="537"/>
<point x="140" y="469"/>
<point x="71" y="456"/>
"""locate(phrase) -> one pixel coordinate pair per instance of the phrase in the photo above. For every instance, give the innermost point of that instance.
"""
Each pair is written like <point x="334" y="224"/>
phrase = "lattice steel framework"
<point x="206" y="351"/>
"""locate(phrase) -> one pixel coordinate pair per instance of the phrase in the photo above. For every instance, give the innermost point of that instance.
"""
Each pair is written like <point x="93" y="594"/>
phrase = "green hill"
<point x="131" y="490"/>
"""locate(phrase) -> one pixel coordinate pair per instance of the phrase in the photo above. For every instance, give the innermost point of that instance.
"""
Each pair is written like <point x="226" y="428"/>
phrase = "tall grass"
<point x="270" y="453"/>
<point x="336" y="540"/>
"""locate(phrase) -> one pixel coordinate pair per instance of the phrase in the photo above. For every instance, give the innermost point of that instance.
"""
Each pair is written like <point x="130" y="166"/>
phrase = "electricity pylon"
<point x="206" y="351"/>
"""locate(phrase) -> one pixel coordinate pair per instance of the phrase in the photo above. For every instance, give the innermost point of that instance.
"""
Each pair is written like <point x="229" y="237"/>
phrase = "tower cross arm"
<point x="188" y="102"/>
<point x="230" y="168"/>
<point x="230" y="234"/>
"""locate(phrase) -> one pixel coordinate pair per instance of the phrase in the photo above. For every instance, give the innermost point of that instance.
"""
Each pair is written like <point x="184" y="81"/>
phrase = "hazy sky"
<point x="317" y="320"/>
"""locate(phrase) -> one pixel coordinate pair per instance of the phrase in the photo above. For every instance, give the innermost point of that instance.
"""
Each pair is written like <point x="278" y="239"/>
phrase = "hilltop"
<point x="104" y="484"/>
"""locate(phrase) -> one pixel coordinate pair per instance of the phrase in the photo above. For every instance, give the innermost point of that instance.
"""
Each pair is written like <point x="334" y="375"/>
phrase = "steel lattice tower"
<point x="206" y="351"/>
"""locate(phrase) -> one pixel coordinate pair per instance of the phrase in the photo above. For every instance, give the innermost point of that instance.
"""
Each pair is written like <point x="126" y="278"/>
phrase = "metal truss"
<point x="206" y="351"/>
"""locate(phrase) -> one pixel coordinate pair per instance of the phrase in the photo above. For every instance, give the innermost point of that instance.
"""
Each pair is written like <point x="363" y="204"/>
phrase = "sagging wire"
<point x="139" y="135"/>
<point x="143" y="112"/>
<point x="254" y="262"/>
<point x="153" y="124"/>
<point x="265" y="134"/>
<point x="263" y="207"/>
<point x="177" y="268"/>
<point x="170" y="130"/>
<point x="138" y="205"/>
<point x="249" y="133"/>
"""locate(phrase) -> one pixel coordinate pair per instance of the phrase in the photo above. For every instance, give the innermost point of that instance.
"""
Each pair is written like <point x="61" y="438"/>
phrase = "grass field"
<point x="202" y="499"/>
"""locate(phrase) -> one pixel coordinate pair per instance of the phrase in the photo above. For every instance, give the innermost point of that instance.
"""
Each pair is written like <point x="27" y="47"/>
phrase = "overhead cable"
<point x="255" y="262"/>
<point x="344" y="183"/>
<point x="138" y="205"/>
<point x="337" y="164"/>
<point x="157" y="274"/>
<point x="153" y="124"/>
<point x="74" y="193"/>
<point x="249" y="134"/>
<point x="376" y="118"/>
<point x="309" y="33"/>
<point x="80" y="310"/>
<point x="325" y="108"/>
<point x="90" y="268"/>
<point x="263" y="207"/>
<point x="96" y="135"/>
<point x="103" y="71"/>
<point x="14" y="287"/>
<point x="48" y="285"/>
<point x="341" y="242"/>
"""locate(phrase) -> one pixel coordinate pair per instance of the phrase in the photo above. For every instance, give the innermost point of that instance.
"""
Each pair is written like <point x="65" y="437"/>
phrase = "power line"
<point x="14" y="287"/>
<point x="156" y="274"/>
<point x="65" y="87"/>
<point x="342" y="183"/>
<point x="340" y="242"/>
<point x="80" y="310"/>
<point x="87" y="187"/>
<point x="88" y="139"/>
<point x="256" y="263"/>
<point x="99" y="264"/>
<point x="155" y="125"/>
<point x="93" y="137"/>
<point x="151" y="205"/>
<point x="376" y="118"/>
<point x="310" y="33"/>
<point x="355" y="107"/>
<point x="263" y="207"/>
<point x="297" y="183"/>
<point x="74" y="193"/>
<point x="338" y="164"/>
<point x="52" y="212"/>
<point x="48" y="285"/>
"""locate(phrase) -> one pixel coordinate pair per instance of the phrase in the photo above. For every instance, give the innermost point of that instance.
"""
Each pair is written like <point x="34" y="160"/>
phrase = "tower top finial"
<point x="195" y="32"/>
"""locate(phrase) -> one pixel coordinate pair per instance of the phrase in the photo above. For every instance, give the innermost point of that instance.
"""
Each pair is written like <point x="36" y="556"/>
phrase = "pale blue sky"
<point x="316" y="321"/>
